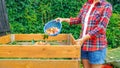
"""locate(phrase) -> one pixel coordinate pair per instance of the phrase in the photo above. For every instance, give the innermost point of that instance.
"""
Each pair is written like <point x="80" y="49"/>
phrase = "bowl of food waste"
<point x="52" y="28"/>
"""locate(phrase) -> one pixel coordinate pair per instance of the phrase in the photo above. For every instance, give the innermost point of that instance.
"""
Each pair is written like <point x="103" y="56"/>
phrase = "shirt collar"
<point x="98" y="3"/>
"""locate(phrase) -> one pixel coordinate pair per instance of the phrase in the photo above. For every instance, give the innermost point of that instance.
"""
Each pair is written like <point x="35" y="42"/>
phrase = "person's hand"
<point x="59" y="19"/>
<point x="79" y="42"/>
<point x="82" y="40"/>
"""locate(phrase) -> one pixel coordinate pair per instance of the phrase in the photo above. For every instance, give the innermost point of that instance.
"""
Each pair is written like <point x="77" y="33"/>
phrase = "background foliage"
<point x="29" y="16"/>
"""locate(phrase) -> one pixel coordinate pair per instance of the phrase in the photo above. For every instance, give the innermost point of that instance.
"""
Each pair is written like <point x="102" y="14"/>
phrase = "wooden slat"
<point x="5" y="39"/>
<point x="62" y="51"/>
<point x="29" y="37"/>
<point x="72" y="40"/>
<point x="39" y="64"/>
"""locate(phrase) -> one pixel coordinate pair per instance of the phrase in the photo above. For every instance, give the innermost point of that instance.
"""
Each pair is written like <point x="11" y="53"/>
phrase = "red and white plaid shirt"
<point x="97" y="24"/>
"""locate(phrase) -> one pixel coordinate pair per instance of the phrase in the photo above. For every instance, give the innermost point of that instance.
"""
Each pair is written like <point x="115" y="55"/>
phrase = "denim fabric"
<point x="94" y="57"/>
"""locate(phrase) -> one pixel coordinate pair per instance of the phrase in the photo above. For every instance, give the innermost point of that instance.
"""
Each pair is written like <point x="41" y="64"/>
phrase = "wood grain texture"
<point x="39" y="64"/>
<point x="5" y="39"/>
<point x="29" y="37"/>
<point x="62" y="51"/>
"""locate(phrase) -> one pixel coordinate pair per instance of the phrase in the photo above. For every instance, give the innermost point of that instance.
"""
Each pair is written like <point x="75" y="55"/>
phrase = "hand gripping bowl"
<point x="53" y="24"/>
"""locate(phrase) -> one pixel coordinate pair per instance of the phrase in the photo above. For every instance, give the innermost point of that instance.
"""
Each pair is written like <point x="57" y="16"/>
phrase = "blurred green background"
<point x="29" y="16"/>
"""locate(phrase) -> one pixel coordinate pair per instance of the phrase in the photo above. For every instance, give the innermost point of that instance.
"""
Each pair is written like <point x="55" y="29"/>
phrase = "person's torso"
<point x="93" y="21"/>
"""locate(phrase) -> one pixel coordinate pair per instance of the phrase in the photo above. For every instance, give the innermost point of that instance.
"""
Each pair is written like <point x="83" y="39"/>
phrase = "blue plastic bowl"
<point x="51" y="24"/>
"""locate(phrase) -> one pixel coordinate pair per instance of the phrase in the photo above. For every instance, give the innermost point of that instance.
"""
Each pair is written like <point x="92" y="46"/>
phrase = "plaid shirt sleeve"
<point x="103" y="22"/>
<point x="77" y="20"/>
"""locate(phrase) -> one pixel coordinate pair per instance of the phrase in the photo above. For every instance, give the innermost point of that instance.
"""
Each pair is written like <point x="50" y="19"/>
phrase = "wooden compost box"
<point x="34" y="51"/>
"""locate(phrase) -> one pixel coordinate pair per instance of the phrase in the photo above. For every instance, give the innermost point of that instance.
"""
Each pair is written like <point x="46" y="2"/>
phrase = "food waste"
<point x="52" y="30"/>
<point x="41" y="43"/>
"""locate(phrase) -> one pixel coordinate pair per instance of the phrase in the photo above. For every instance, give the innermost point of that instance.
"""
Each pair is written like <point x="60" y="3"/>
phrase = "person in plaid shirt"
<point x="94" y="17"/>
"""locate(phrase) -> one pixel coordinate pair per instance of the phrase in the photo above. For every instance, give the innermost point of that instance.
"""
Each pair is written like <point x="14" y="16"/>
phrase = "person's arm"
<point x="71" y="20"/>
<point x="77" y="20"/>
<point x="63" y="19"/>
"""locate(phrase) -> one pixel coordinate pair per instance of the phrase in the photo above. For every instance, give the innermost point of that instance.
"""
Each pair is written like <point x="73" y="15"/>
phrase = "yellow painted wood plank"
<point x="5" y="39"/>
<point x="29" y="37"/>
<point x="39" y="64"/>
<point x="62" y="51"/>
